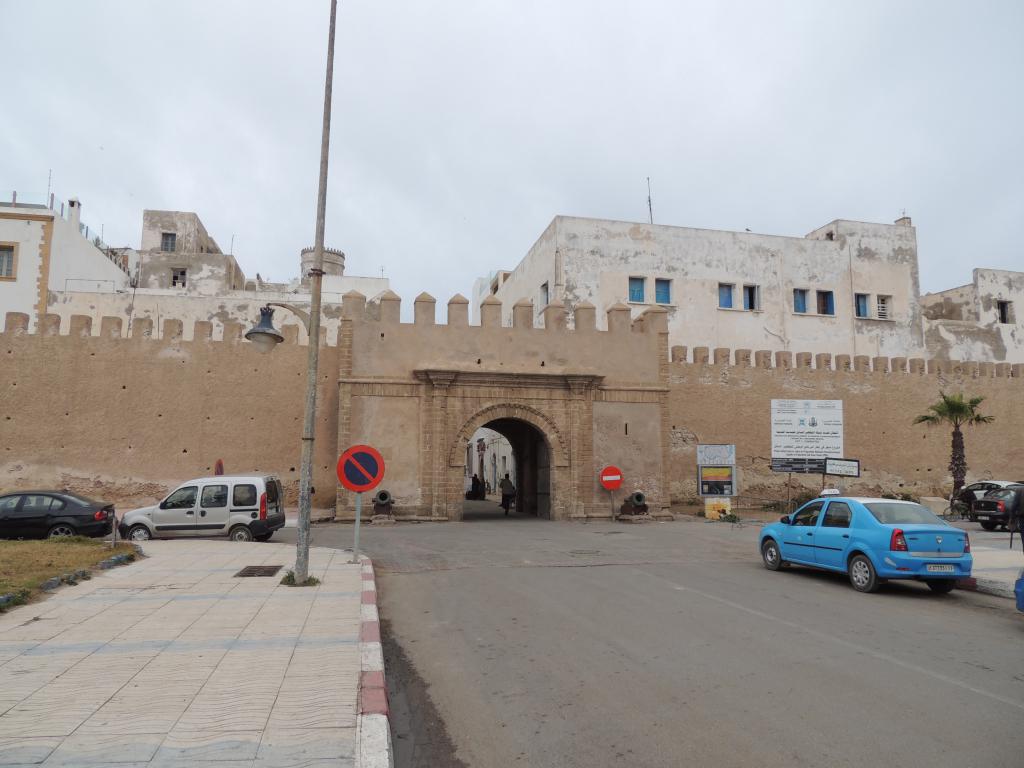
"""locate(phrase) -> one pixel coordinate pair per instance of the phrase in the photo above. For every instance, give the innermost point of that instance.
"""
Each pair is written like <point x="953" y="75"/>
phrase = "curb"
<point x="987" y="587"/>
<point x="373" y="727"/>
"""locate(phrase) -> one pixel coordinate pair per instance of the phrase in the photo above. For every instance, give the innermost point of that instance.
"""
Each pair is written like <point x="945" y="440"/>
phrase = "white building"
<point x="846" y="288"/>
<point x="45" y="251"/>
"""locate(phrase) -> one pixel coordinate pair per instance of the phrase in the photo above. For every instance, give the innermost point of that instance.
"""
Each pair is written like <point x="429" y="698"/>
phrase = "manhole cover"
<point x="259" y="570"/>
<point x="584" y="551"/>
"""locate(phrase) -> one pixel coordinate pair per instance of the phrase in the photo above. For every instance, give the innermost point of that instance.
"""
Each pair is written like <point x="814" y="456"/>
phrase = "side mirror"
<point x="163" y="504"/>
<point x="784" y="520"/>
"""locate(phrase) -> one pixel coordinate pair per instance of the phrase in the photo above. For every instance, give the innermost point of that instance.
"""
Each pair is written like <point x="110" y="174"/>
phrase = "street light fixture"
<point x="266" y="337"/>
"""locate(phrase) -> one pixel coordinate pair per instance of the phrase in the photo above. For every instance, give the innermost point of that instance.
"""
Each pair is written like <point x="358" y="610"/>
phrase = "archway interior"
<point x="520" y="449"/>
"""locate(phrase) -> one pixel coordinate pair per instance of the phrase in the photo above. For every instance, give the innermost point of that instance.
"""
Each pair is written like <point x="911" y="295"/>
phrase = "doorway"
<point x="517" y="448"/>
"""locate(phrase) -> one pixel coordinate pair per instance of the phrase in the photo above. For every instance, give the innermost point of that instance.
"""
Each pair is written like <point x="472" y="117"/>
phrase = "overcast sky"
<point x="461" y="128"/>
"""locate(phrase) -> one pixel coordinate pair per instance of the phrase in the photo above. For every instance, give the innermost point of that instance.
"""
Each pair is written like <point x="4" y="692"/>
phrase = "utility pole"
<point x="317" y="274"/>
<point x="650" y="208"/>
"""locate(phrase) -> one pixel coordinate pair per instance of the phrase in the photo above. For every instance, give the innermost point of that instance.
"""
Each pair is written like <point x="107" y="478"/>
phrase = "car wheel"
<point x="862" y="574"/>
<point x="240" y="533"/>
<point x="942" y="586"/>
<point x="60" y="530"/>
<point x="988" y="525"/>
<point x="139" y="532"/>
<point x="771" y="555"/>
<point x="264" y="536"/>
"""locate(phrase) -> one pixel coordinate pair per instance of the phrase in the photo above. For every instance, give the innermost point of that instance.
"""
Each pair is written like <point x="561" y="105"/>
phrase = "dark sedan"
<point x="999" y="507"/>
<point x="40" y="514"/>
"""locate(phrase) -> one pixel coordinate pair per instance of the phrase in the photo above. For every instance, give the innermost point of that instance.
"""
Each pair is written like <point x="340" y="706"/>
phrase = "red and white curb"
<point x="373" y="727"/>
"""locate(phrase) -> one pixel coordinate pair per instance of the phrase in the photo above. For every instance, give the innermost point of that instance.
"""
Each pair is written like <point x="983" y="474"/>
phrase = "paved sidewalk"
<point x="995" y="569"/>
<point x="172" y="661"/>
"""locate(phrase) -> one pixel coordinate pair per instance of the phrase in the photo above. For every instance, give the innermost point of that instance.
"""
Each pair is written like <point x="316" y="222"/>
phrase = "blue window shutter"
<point x="799" y="300"/>
<point x="725" y="296"/>
<point x="862" y="305"/>
<point x="636" y="289"/>
<point x="663" y="291"/>
<point x="830" y="303"/>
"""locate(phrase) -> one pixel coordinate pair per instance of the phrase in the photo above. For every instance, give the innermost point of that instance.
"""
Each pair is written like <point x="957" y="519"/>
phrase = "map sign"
<point x="716" y="454"/>
<point x="807" y="429"/>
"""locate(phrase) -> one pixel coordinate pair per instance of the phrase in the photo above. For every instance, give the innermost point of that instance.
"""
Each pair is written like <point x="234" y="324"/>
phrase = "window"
<point x="244" y="496"/>
<point x="751" y="297"/>
<point x="183" y="498"/>
<point x="808" y="516"/>
<point x="168" y="242"/>
<point x="1005" y="310"/>
<point x="214" y="496"/>
<point x="8" y="503"/>
<point x="544" y="295"/>
<point x="800" y="300"/>
<point x="7" y="262"/>
<point x="725" y="295"/>
<point x="826" y="303"/>
<point x="36" y="505"/>
<point x="860" y="304"/>
<point x="636" y="289"/>
<point x="178" y="277"/>
<point x="663" y="291"/>
<point x="838" y="515"/>
<point x="882" y="305"/>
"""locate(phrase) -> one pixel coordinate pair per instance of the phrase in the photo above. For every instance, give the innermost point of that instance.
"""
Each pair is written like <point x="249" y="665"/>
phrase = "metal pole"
<point x="309" y="422"/>
<point x="789" y="493"/>
<point x="359" y="515"/>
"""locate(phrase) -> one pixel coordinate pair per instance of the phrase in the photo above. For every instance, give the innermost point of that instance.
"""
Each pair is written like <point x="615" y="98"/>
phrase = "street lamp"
<point x="266" y="337"/>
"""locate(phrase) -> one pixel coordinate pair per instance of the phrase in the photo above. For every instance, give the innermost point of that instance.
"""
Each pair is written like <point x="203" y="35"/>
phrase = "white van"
<point x="241" y="507"/>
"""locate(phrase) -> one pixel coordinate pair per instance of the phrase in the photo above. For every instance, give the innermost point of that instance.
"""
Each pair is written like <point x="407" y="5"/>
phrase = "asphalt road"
<point x="556" y="644"/>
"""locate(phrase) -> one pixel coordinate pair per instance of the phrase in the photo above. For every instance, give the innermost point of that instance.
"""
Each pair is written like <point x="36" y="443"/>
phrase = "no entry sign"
<point x="361" y="468"/>
<point x="611" y="478"/>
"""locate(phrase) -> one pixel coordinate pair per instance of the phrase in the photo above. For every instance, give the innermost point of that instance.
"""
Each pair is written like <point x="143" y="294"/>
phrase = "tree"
<point x="956" y="411"/>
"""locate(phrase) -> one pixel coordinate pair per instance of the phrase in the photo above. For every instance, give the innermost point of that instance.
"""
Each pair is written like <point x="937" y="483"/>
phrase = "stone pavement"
<point x="172" y="661"/>
<point x="995" y="569"/>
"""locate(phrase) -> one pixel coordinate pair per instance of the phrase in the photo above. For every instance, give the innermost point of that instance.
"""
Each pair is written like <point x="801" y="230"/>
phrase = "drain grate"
<point x="259" y="570"/>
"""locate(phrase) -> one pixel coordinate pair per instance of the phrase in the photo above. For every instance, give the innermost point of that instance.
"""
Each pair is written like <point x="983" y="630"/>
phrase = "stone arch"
<point x="532" y="416"/>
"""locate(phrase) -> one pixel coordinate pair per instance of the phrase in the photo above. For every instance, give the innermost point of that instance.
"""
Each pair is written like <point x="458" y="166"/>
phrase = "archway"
<point x="523" y="453"/>
<point x="539" y="465"/>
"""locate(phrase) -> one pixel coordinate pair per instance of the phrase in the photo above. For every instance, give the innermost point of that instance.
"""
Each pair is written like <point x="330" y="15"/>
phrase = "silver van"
<point x="241" y="507"/>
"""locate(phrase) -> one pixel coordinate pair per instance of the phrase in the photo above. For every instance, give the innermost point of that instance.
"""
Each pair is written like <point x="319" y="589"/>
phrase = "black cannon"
<point x="634" y="504"/>
<point x="383" y="503"/>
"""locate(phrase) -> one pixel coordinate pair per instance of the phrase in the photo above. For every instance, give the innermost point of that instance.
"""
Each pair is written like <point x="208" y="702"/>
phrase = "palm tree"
<point x="957" y="411"/>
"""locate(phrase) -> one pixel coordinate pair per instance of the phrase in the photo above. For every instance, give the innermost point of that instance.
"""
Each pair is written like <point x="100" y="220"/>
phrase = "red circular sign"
<point x="361" y="468"/>
<point x="611" y="478"/>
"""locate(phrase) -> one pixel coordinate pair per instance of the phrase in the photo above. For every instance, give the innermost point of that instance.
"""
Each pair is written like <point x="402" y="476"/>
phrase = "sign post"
<point x="611" y="480"/>
<point x="360" y="469"/>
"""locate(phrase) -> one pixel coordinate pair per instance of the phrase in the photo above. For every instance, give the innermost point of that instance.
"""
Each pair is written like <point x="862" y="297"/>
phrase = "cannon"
<point x="633" y="505"/>
<point x="383" y="503"/>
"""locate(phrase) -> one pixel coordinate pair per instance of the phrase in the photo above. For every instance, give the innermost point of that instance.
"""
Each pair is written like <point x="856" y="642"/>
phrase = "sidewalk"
<point x="173" y="661"/>
<point x="995" y="570"/>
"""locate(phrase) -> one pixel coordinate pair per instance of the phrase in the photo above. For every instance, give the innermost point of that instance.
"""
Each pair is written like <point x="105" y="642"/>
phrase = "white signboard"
<point x="842" y="467"/>
<point x="807" y="429"/>
<point x="716" y="454"/>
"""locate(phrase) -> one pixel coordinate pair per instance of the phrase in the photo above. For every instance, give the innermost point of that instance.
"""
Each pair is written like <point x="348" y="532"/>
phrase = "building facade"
<point x="983" y="320"/>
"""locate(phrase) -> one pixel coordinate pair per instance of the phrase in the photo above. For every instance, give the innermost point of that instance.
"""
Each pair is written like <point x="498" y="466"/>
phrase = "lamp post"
<point x="266" y="338"/>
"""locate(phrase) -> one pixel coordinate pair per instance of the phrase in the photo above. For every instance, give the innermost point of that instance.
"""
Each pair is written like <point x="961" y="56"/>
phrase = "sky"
<point x="460" y="129"/>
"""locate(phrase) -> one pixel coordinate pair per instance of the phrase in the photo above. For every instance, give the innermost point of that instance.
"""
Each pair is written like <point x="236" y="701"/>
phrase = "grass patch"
<point x="24" y="565"/>
<point x="288" y="580"/>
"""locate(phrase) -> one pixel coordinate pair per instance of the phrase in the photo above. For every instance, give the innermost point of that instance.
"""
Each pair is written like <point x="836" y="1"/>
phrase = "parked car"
<point x="40" y="514"/>
<point x="871" y="540"/>
<point x="998" y="507"/>
<point x="971" y="493"/>
<point x="241" y="507"/>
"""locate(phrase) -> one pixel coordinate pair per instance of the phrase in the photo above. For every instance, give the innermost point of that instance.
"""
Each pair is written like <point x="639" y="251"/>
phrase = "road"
<point x="667" y="644"/>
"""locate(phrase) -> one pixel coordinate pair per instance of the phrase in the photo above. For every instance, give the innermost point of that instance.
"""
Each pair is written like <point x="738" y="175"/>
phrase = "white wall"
<point x="963" y="323"/>
<point x="21" y="294"/>
<point x="76" y="264"/>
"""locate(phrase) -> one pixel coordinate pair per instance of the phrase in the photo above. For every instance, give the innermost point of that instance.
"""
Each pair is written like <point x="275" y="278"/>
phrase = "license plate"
<point x="941" y="568"/>
<point x="983" y="517"/>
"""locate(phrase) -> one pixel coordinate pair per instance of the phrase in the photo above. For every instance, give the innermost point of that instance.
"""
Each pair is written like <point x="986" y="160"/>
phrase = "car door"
<point x="34" y="514"/>
<point x="798" y="537"/>
<point x="832" y="537"/>
<point x="10" y="523"/>
<point x="213" y="509"/>
<point x="176" y="515"/>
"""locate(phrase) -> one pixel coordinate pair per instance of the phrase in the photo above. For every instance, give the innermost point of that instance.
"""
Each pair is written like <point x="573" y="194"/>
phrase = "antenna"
<point x="49" y="183"/>
<point x="231" y="248"/>
<point x="650" y="209"/>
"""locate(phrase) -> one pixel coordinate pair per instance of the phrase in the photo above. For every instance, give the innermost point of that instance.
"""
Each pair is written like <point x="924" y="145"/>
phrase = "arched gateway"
<point x="569" y="401"/>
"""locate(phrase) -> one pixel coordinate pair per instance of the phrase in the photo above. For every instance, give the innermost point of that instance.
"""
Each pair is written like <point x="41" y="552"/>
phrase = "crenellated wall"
<point x="84" y="407"/>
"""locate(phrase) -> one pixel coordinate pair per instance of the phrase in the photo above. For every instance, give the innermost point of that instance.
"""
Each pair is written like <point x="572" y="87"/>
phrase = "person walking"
<point x="508" y="492"/>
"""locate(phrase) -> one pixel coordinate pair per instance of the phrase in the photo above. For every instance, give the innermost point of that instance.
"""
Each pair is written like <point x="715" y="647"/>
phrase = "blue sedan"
<point x="871" y="540"/>
<point x="1018" y="590"/>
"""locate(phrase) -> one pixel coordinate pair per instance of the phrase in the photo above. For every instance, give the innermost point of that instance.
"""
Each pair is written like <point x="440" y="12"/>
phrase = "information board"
<point x="807" y="429"/>
<point x="842" y="467"/>
<point x="717" y="480"/>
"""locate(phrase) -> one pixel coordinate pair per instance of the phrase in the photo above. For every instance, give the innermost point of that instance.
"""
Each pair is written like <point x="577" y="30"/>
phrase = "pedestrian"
<point x="508" y="492"/>
<point x="475" y="487"/>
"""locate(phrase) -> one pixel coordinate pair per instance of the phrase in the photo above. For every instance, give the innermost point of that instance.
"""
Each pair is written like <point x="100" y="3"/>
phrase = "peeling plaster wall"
<point x="208" y="274"/>
<point x="592" y="260"/>
<point x="963" y="323"/>
<point x="192" y="236"/>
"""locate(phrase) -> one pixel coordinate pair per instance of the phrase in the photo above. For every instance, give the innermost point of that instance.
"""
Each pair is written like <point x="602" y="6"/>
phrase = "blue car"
<point x="1018" y="590"/>
<point x="871" y="540"/>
